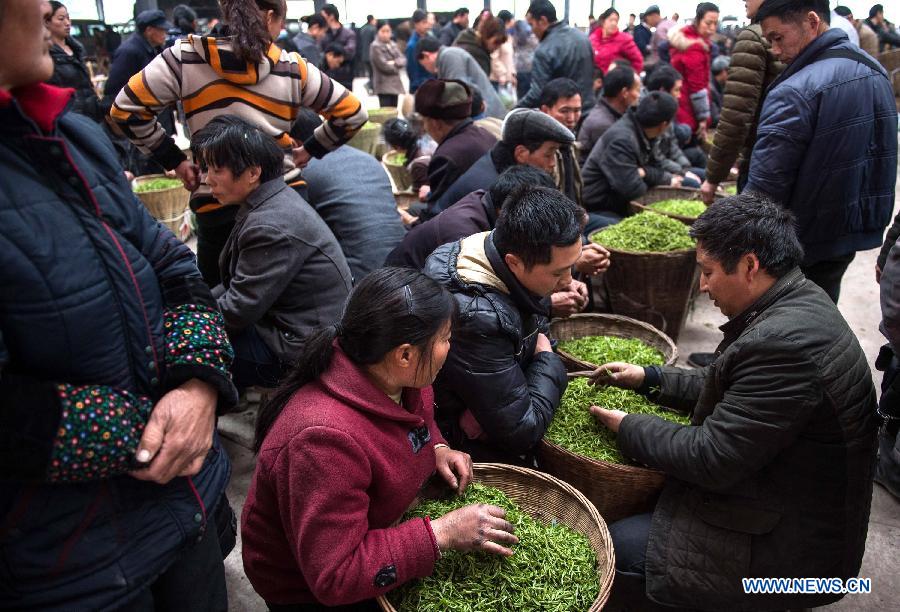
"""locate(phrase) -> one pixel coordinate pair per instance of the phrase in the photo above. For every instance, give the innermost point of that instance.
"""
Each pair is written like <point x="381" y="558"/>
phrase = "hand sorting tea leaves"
<point x="554" y="568"/>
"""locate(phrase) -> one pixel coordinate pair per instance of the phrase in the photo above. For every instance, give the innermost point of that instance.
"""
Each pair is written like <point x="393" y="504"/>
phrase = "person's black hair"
<point x="399" y="134"/>
<point x="390" y="307"/>
<point x="617" y="80"/>
<point x="55" y="6"/>
<point x="793" y="10"/>
<point x="843" y="11"/>
<point x="555" y="89"/>
<point x="184" y="18"/>
<point x="663" y="78"/>
<point x="369" y="18"/>
<point x="503" y="154"/>
<point x="876" y="8"/>
<point x="749" y="223"/>
<point x="336" y="49"/>
<point x="315" y="20"/>
<point x="419" y="15"/>
<point x="332" y="11"/>
<point x="250" y="36"/>
<point x="460" y="12"/>
<point x="533" y="220"/>
<point x="231" y="142"/>
<point x="504" y="15"/>
<point x="477" y="101"/>
<point x="381" y="23"/>
<point x="605" y="14"/>
<point x="514" y="177"/>
<point x="426" y="43"/>
<point x="706" y="7"/>
<point x="542" y="8"/>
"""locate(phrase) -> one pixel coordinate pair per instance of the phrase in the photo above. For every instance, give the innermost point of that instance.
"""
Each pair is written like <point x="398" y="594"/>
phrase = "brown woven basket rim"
<point x="596" y="519"/>
<point x="646" y="208"/>
<point x="587" y="316"/>
<point x="152" y="177"/>
<point x="628" y="469"/>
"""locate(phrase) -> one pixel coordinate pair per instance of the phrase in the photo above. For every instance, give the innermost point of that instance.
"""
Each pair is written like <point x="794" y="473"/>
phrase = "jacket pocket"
<point x="737" y="516"/>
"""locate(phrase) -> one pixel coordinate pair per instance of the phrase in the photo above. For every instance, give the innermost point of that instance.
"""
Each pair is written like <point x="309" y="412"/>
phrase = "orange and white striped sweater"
<point x="210" y="80"/>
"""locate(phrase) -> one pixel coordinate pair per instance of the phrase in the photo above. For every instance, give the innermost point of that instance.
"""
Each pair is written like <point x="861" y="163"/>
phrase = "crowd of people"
<point x="400" y="349"/>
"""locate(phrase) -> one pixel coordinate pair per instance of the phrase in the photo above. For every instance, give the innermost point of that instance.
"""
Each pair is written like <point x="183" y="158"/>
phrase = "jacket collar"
<point x="736" y="326"/>
<point x="631" y="117"/>
<point x="266" y="191"/>
<point x="488" y="202"/>
<point x="525" y="300"/>
<point x="348" y="383"/>
<point x="38" y="104"/>
<point x="610" y="108"/>
<point x="828" y="39"/>
<point x="457" y="129"/>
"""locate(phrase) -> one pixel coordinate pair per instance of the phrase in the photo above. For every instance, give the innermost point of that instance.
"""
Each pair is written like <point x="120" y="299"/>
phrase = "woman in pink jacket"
<point x="610" y="44"/>
<point x="346" y="446"/>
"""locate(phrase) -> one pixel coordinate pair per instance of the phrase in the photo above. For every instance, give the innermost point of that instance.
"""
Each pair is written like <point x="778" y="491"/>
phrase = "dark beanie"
<point x="444" y="99"/>
<point x="529" y="125"/>
<point x="655" y="108"/>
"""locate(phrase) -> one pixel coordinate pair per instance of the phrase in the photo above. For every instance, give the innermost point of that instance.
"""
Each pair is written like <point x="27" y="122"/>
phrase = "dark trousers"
<point x="828" y="274"/>
<point x="255" y="364"/>
<point x="523" y="84"/>
<point x="194" y="583"/>
<point x="213" y="229"/>
<point x="387" y="100"/>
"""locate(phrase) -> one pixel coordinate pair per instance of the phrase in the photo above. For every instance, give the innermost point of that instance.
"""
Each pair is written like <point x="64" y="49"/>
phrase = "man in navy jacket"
<point x="827" y="141"/>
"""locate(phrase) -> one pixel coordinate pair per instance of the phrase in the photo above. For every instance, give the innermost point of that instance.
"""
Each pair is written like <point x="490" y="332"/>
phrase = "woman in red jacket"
<point x="610" y="44"/>
<point x="689" y="51"/>
<point x="345" y="447"/>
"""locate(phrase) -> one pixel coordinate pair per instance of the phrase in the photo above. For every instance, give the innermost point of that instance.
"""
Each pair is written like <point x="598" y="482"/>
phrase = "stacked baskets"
<point x="548" y="499"/>
<point x="168" y="206"/>
<point x="616" y="490"/>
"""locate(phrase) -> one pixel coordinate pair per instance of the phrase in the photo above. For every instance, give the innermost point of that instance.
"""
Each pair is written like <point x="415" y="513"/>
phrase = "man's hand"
<point x="642" y="173"/>
<point x="178" y="434"/>
<point x="594" y="259"/>
<point x="618" y="374"/>
<point x="708" y="192"/>
<point x="570" y="300"/>
<point x="301" y="156"/>
<point x="676" y="181"/>
<point x="189" y="174"/>
<point x="611" y="419"/>
<point x="454" y="467"/>
<point x="702" y="131"/>
<point x="543" y="344"/>
<point x="424" y="192"/>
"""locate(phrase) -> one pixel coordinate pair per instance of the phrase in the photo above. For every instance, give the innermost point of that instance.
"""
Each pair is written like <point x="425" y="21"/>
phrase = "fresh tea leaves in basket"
<point x="576" y="430"/>
<point x="606" y="349"/>
<point x="683" y="208"/>
<point x="646" y="232"/>
<point x="553" y="569"/>
<point x="157" y="185"/>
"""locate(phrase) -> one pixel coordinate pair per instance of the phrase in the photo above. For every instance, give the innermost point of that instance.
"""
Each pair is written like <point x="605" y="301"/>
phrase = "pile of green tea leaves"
<point x="646" y="232"/>
<point x="553" y="568"/>
<point x="606" y="349"/>
<point x="395" y="158"/>
<point x="157" y="184"/>
<point x="576" y="430"/>
<point x="683" y="208"/>
<point x="730" y="190"/>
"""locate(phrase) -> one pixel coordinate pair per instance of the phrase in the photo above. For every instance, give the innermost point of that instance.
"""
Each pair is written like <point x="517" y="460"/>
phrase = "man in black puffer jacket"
<point x="501" y="383"/>
<point x="773" y="477"/>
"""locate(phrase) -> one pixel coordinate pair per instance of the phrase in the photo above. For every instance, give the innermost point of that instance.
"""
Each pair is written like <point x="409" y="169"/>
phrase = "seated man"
<point x="666" y="152"/>
<point x="621" y="91"/>
<point x="502" y="382"/>
<point x="773" y="478"/>
<point x="621" y="166"/>
<point x="352" y="194"/>
<point x="530" y="137"/>
<point x="283" y="272"/>
<point x="560" y="99"/>
<point x="446" y="108"/>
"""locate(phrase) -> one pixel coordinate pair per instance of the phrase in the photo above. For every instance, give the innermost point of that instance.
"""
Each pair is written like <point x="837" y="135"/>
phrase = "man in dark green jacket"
<point x="773" y="477"/>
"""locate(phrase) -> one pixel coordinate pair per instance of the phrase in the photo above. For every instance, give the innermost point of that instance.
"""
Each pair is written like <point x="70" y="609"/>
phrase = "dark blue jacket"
<point x="827" y="149"/>
<point x="415" y="70"/>
<point x="86" y="278"/>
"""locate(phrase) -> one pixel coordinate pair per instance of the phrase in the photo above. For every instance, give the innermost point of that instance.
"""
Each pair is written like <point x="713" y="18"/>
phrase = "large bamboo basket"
<point x="549" y="499"/>
<point x="616" y="490"/>
<point x="382" y="115"/>
<point x="399" y="173"/>
<point x="594" y="324"/>
<point x="658" y="194"/>
<point x="367" y="139"/>
<point x="166" y="205"/>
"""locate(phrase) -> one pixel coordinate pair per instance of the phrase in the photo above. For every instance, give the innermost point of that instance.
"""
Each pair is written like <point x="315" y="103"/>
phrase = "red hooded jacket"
<point x="690" y="55"/>
<point x="608" y="48"/>
<point x="340" y="465"/>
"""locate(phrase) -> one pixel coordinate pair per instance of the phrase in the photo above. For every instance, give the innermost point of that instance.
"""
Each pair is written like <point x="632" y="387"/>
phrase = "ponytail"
<point x="390" y="307"/>
<point x="251" y="38"/>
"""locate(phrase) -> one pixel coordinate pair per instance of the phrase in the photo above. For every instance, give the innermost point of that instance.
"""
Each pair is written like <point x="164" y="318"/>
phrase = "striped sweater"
<point x="210" y="80"/>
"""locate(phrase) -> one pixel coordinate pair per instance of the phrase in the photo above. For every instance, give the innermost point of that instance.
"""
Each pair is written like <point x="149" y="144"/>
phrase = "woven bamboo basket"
<point x="549" y="499"/>
<point x="652" y="287"/>
<point x="382" y="115"/>
<point x="726" y="186"/>
<point x="398" y="172"/>
<point x="166" y="205"/>
<point x="367" y="139"/>
<point x="616" y="490"/>
<point x="658" y="194"/>
<point x="581" y="325"/>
